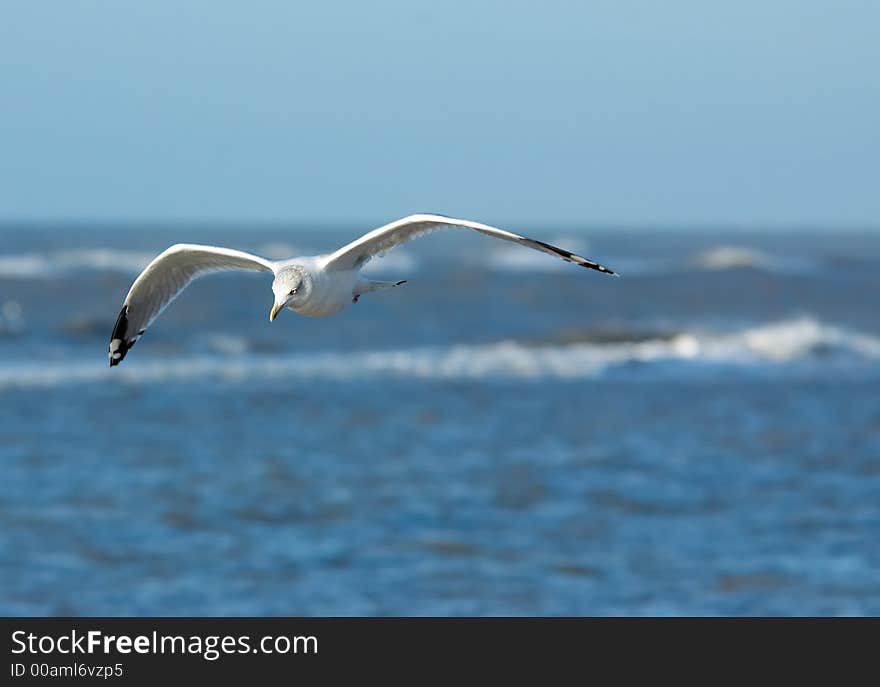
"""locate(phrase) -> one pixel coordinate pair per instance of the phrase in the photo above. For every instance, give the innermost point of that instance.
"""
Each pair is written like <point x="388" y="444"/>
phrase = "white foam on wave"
<point x="727" y="257"/>
<point x="52" y="264"/>
<point x="783" y="342"/>
<point x="792" y="341"/>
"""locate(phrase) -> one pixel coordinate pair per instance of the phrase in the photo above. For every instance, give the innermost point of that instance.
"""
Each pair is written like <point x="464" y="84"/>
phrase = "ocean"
<point x="506" y="434"/>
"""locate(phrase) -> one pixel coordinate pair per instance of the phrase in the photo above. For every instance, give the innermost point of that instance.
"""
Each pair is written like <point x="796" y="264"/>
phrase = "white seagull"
<point x="316" y="286"/>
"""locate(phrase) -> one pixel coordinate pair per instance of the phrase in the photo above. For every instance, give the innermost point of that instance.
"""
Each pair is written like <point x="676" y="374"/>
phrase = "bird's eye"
<point x="293" y="291"/>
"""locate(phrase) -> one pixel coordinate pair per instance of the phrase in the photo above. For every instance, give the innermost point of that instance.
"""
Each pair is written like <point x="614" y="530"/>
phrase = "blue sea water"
<point x="506" y="434"/>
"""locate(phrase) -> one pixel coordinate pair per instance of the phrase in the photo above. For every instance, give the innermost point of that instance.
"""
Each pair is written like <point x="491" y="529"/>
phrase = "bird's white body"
<point x="330" y="292"/>
<point x="316" y="286"/>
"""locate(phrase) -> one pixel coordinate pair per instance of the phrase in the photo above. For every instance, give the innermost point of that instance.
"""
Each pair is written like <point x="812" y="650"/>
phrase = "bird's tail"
<point x="369" y="286"/>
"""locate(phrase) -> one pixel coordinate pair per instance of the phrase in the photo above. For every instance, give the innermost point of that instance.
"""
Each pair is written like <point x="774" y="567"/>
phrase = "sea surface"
<point x="505" y="434"/>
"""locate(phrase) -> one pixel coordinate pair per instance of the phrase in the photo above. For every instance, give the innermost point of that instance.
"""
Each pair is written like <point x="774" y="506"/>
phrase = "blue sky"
<point x="756" y="112"/>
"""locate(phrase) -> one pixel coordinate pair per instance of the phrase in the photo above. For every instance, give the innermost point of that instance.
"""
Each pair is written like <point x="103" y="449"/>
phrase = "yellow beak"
<point x="273" y="313"/>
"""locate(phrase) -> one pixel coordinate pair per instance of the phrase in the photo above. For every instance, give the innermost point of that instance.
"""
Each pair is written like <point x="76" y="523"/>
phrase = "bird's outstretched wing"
<point x="357" y="253"/>
<point x="163" y="279"/>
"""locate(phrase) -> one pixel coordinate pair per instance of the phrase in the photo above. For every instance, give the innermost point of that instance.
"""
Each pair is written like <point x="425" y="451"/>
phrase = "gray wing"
<point x="357" y="253"/>
<point x="161" y="282"/>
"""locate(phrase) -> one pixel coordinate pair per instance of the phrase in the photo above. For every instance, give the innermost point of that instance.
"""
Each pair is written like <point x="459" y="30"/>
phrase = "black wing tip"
<point x="118" y="350"/>
<point x="120" y="342"/>
<point x="599" y="268"/>
<point x="604" y="270"/>
<point x="568" y="256"/>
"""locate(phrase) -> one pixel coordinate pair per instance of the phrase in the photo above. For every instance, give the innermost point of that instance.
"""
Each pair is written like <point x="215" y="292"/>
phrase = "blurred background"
<point x="506" y="434"/>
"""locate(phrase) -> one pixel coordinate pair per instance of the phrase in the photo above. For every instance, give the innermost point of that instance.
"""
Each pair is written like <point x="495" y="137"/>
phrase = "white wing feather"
<point x="357" y="253"/>
<point x="163" y="280"/>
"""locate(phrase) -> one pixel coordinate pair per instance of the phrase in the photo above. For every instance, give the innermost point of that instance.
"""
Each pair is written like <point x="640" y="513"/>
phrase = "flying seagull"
<point x="316" y="286"/>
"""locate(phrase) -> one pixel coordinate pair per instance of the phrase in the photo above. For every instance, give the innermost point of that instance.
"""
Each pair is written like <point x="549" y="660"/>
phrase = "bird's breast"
<point x="329" y="294"/>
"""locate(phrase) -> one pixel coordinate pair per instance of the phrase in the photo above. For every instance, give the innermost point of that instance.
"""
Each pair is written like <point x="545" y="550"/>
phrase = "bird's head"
<point x="291" y="285"/>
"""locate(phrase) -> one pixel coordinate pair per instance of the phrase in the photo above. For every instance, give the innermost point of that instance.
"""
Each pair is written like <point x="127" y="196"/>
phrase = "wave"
<point x="714" y="259"/>
<point x="803" y="341"/>
<point x="501" y="257"/>
<point x="726" y="257"/>
<point x="51" y="265"/>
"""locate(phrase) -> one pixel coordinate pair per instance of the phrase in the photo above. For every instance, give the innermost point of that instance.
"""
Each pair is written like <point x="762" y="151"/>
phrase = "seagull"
<point x="315" y="286"/>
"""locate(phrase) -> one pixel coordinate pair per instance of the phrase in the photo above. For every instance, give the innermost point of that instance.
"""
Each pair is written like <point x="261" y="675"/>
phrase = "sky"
<point x="758" y="113"/>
